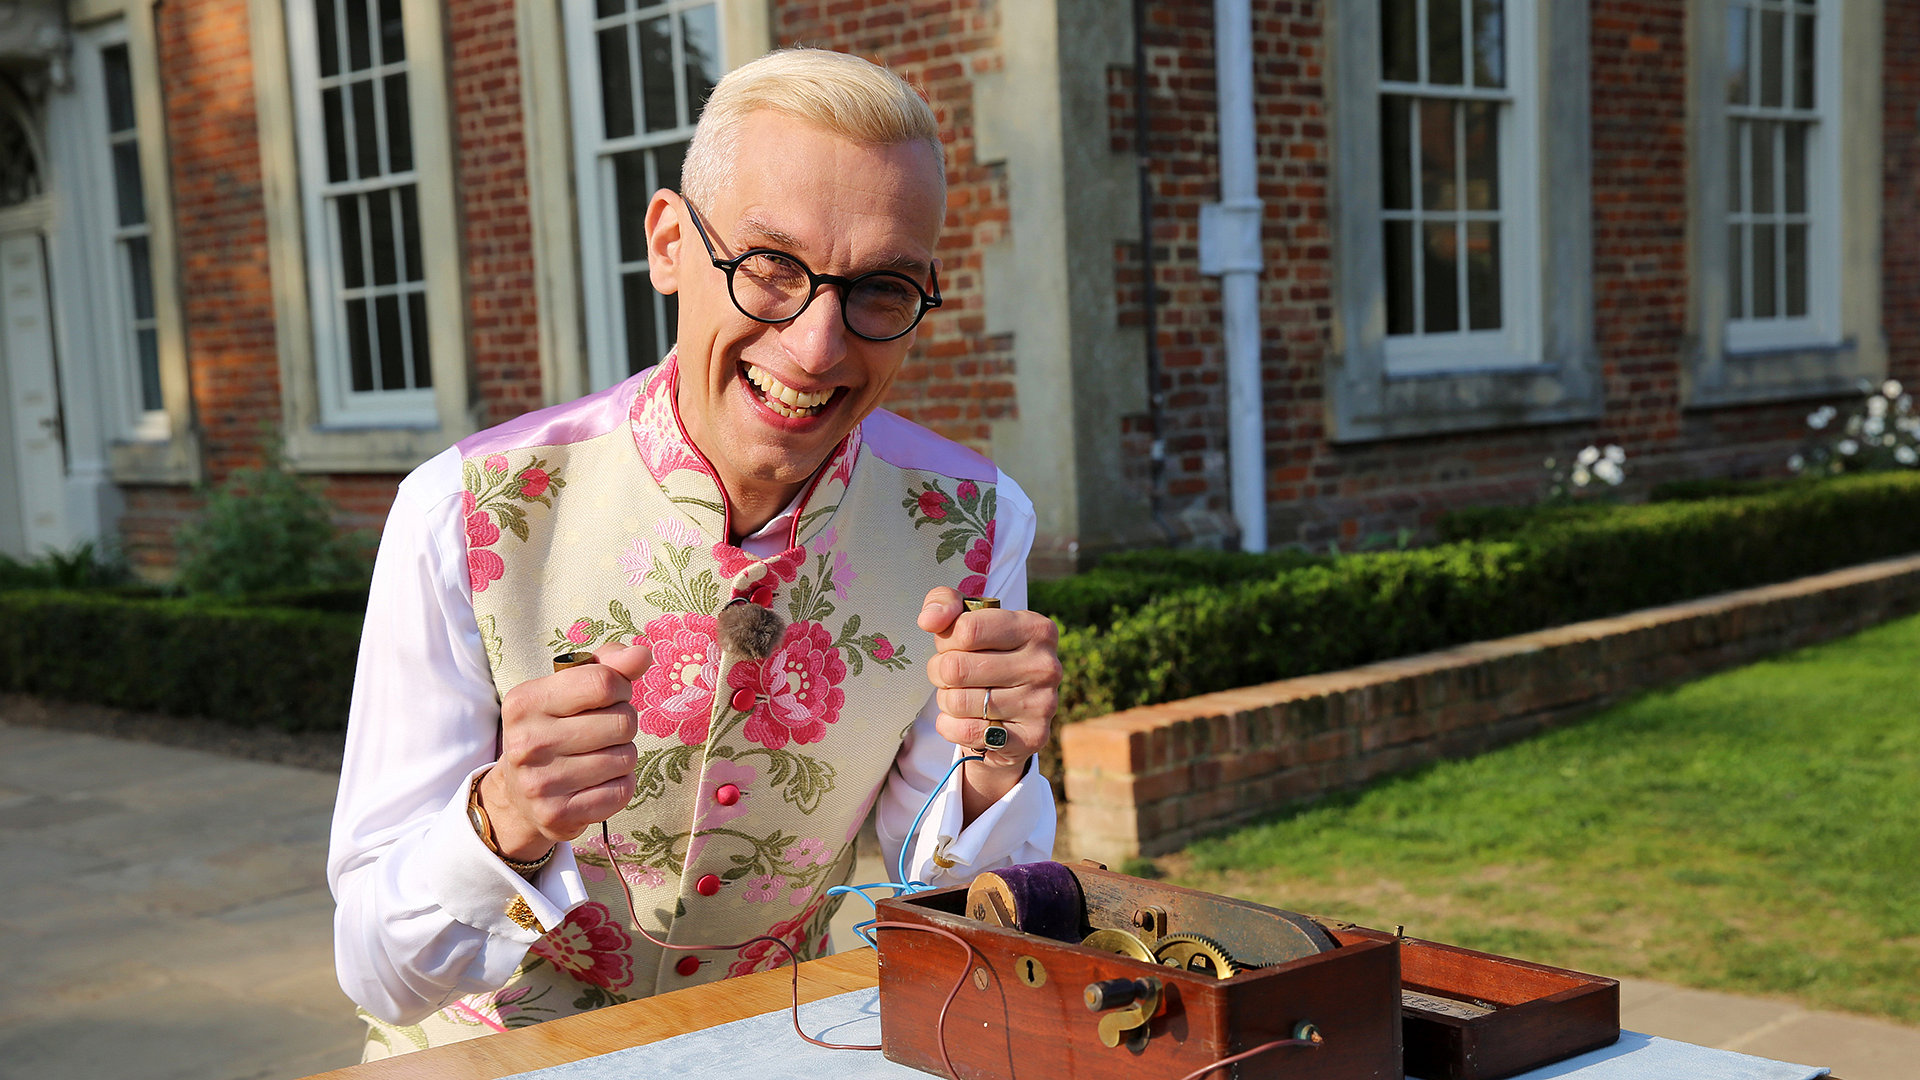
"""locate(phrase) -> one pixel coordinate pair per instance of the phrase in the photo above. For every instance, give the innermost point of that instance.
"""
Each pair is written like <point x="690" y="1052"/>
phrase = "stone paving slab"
<point x="165" y="916"/>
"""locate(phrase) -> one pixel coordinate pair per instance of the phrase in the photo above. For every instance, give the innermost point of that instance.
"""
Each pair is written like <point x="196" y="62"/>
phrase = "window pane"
<point x="1794" y="161"/>
<point x="630" y="195"/>
<point x="1400" y="256"/>
<point x="128" y="196"/>
<point x="393" y="39"/>
<point x="359" y="36"/>
<point x="119" y="88"/>
<point x="393" y="368"/>
<point x="382" y="240"/>
<point x="1489" y="43"/>
<point x="1737" y="164"/>
<point x="1764" y="306"/>
<point x="1399" y="41"/>
<point x="1483" y="156"/>
<point x="1396" y="157"/>
<point x="416" y="269"/>
<point x="1737" y="270"/>
<point x="140" y="276"/>
<point x="366" y="132"/>
<point x="666" y="165"/>
<point x="422" y="354"/>
<point x="1739" y="83"/>
<point x="1761" y="138"/>
<point x="1795" y="270"/>
<point x="1483" y="275"/>
<point x="700" y="48"/>
<point x="1442" y="294"/>
<point x="1444" y="64"/>
<point x="642" y="329"/>
<point x="359" y="345"/>
<point x="1803" y="61"/>
<point x="605" y="8"/>
<point x="353" y="254"/>
<point x="330" y="104"/>
<point x="399" y="124"/>
<point x="1772" y="63"/>
<point x="1438" y="175"/>
<point x="324" y="20"/>
<point x="656" y="74"/>
<point x="616" y="83"/>
<point x="148" y="342"/>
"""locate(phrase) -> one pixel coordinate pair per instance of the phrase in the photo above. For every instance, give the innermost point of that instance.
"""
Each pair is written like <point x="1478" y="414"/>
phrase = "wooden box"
<point x="1470" y="1015"/>
<point x="1020" y="1011"/>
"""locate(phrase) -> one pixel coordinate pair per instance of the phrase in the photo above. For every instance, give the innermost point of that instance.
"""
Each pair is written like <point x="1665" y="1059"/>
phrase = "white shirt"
<point x="421" y="916"/>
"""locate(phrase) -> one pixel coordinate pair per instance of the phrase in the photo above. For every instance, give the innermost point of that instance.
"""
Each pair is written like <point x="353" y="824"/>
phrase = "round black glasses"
<point x="772" y="286"/>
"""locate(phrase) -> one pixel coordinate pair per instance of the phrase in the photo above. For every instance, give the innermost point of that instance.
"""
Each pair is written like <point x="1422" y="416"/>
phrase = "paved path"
<point x="164" y="916"/>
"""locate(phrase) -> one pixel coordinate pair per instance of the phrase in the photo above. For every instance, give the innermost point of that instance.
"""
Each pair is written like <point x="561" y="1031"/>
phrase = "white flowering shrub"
<point x="1881" y="432"/>
<point x="1592" y="469"/>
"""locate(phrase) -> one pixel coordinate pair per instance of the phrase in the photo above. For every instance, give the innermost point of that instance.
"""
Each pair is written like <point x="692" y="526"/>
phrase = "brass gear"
<point x="1119" y="941"/>
<point x="1196" y="953"/>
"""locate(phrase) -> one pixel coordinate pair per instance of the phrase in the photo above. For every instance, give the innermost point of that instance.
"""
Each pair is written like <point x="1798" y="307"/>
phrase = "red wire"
<point x="1245" y="1054"/>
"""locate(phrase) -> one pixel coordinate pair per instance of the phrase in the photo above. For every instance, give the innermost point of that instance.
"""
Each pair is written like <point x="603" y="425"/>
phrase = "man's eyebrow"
<point x="758" y="233"/>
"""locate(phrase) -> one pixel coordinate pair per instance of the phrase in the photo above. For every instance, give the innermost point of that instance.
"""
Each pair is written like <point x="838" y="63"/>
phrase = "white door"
<point x="26" y="347"/>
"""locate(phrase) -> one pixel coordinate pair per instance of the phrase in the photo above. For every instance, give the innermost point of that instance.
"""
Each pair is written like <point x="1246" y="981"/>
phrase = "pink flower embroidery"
<point x="580" y="632"/>
<point x="496" y="463"/>
<point x="765" y="955"/>
<point x="784" y="566"/>
<point x="590" y="946"/>
<point x="882" y="648"/>
<point x="483" y="566"/>
<point x="635" y="561"/>
<point x="533" y="483"/>
<point x="761" y="889"/>
<point x="980" y="556"/>
<point x="933" y="505"/>
<point x="807" y="852"/>
<point x="968" y="491"/>
<point x="656" y="431"/>
<point x="843" y="574"/>
<point x="676" y="693"/>
<point x="481" y="531"/>
<point x="592" y="851"/>
<point x="797" y="689"/>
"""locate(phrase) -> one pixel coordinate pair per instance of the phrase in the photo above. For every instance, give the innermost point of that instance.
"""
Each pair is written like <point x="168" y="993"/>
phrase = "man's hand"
<point x="1015" y="654"/>
<point x="566" y="753"/>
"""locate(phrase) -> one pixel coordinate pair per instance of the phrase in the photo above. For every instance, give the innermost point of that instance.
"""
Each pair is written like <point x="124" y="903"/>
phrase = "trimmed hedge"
<point x="253" y="666"/>
<point x="1517" y="571"/>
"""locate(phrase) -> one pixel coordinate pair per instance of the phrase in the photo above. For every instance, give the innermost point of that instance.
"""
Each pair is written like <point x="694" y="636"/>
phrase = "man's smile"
<point x="784" y="399"/>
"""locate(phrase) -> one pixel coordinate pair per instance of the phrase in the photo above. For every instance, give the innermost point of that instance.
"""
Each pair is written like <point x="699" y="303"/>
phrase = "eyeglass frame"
<point x="814" y="281"/>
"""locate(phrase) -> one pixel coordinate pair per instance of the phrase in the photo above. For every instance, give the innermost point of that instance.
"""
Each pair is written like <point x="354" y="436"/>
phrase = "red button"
<point x="726" y="794"/>
<point x="707" y="886"/>
<point x="687" y="965"/>
<point x="763" y="596"/>
<point x="743" y="700"/>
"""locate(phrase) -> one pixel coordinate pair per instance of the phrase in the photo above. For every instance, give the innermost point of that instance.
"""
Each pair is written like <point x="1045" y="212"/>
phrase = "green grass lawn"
<point x="1756" y="831"/>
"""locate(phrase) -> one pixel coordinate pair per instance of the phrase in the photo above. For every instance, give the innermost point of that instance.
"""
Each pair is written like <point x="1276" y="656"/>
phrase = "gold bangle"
<point x="483" y="827"/>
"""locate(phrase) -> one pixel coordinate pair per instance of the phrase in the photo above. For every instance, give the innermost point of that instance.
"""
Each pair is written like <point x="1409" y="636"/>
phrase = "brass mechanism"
<point x="1129" y="1004"/>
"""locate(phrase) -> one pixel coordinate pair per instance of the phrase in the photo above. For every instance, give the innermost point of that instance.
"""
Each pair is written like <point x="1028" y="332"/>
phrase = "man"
<point x="744" y="543"/>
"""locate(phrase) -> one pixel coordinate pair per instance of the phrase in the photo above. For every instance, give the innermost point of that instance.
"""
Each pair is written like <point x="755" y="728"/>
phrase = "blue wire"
<point x="900" y="866"/>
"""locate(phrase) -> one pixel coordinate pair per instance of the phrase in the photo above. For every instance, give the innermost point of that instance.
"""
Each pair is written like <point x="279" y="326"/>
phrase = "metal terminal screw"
<point x="1306" y="1032"/>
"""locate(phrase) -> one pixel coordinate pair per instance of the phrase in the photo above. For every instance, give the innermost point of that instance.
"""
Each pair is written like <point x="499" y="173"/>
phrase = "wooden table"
<point x="617" y="1027"/>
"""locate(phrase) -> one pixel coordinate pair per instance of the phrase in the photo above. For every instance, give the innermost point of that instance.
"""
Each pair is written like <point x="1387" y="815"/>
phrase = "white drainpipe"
<point x="1230" y="248"/>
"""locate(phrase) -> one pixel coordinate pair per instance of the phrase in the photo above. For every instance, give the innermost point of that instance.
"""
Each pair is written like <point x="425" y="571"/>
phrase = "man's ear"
<point x="665" y="233"/>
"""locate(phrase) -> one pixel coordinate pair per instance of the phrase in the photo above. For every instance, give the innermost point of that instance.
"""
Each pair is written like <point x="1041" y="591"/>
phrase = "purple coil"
<point x="1046" y="898"/>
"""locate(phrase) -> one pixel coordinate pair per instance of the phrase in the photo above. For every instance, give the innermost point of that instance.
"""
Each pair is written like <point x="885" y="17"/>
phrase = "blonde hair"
<point x="850" y="97"/>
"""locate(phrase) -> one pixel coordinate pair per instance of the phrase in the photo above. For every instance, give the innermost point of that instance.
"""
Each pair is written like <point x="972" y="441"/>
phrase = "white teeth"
<point x="784" y="399"/>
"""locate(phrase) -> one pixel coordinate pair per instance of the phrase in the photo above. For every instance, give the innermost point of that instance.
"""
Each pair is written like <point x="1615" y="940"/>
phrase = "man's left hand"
<point x="1015" y="654"/>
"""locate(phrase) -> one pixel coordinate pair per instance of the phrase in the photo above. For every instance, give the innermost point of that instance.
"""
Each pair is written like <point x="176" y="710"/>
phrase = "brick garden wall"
<point x="1152" y="779"/>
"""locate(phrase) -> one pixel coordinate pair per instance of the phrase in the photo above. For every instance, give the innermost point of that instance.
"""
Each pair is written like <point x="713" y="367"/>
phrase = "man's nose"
<point x="817" y="337"/>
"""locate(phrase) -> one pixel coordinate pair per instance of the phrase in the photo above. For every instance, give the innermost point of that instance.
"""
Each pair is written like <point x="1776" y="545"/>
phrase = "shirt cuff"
<point x="1018" y="827"/>
<point x="473" y="886"/>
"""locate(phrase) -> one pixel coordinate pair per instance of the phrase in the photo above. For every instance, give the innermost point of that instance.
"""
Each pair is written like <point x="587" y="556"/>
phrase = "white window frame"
<point x="597" y="195"/>
<point x="134" y="444"/>
<point x="1744" y="362"/>
<point x="313" y="441"/>
<point x="1821" y="324"/>
<point x="1517" y="342"/>
<point x="1548" y="370"/>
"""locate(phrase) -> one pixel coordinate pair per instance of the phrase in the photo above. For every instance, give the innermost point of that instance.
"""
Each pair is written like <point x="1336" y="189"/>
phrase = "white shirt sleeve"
<point x="1019" y="827"/>
<point x="421" y="904"/>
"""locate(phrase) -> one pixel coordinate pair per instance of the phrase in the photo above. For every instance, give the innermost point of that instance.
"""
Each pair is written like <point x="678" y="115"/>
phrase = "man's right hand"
<point x="566" y="753"/>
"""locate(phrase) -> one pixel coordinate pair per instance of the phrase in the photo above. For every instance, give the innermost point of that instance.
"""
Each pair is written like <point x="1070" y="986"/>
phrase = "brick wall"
<point x="1152" y="779"/>
<point x="958" y="378"/>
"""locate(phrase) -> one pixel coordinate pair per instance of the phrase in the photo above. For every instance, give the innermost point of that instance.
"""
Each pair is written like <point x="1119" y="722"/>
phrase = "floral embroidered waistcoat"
<point x="598" y="523"/>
